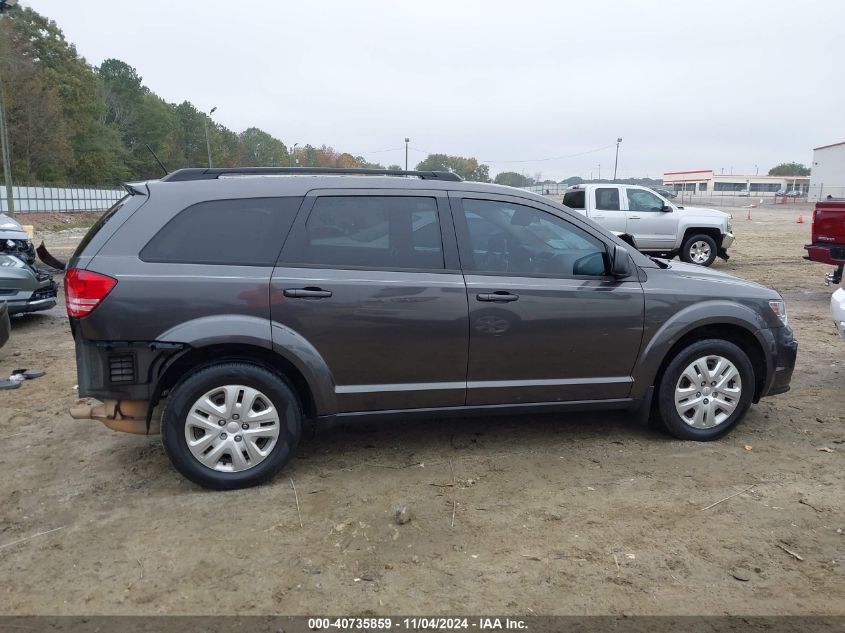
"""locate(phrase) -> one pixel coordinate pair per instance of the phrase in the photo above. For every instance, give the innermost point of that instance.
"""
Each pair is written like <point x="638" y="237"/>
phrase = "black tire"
<point x="669" y="416"/>
<point x="686" y="249"/>
<point x="183" y="396"/>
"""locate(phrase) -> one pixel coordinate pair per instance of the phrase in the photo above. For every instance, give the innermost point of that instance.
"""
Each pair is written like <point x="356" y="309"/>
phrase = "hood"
<point x="703" y="211"/>
<point x="692" y="271"/>
<point x="10" y="229"/>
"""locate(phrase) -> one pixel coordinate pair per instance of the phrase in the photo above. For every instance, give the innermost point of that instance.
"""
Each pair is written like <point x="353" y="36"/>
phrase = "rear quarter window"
<point x="98" y="226"/>
<point x="241" y="232"/>
<point x="574" y="199"/>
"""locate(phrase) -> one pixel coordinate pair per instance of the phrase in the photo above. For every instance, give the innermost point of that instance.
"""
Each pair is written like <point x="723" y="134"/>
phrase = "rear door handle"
<point x="598" y="216"/>
<point x="499" y="295"/>
<point x="633" y="217"/>
<point x="308" y="292"/>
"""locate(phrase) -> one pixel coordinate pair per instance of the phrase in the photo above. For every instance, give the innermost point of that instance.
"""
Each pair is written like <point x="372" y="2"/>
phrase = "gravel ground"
<point x="579" y="514"/>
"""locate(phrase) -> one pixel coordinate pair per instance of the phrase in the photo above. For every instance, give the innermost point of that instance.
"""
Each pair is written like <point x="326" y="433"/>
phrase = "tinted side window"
<point x="372" y="232"/>
<point x="516" y="239"/>
<point x="607" y="199"/>
<point x="574" y="199"/>
<point x="641" y="200"/>
<point x="243" y="232"/>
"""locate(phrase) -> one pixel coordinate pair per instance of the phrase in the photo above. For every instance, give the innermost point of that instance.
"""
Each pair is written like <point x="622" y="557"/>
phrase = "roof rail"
<point x="212" y="173"/>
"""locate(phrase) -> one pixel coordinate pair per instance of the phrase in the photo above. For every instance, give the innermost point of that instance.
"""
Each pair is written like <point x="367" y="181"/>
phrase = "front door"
<point x="371" y="280"/>
<point x="652" y="227"/>
<point x="546" y="322"/>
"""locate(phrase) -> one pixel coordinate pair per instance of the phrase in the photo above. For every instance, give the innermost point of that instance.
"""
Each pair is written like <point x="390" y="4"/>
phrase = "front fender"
<point x="693" y="317"/>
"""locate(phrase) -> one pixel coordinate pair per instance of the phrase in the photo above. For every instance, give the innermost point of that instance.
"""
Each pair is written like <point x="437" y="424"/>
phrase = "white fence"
<point x="38" y="198"/>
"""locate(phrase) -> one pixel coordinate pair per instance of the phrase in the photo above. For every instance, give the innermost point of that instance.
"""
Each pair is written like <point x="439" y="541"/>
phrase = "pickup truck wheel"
<point x="705" y="390"/>
<point x="699" y="249"/>
<point x="231" y="425"/>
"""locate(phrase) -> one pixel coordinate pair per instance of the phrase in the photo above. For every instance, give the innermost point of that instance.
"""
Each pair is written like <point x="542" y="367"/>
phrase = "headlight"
<point x="778" y="306"/>
<point x="10" y="261"/>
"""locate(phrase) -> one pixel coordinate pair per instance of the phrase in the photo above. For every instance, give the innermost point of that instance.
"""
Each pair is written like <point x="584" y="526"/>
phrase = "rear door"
<point x="546" y="322"/>
<point x="652" y="227"/>
<point x="607" y="208"/>
<point x="371" y="279"/>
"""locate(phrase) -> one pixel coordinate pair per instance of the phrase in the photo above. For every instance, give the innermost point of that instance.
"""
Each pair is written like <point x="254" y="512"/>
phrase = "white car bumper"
<point x="727" y="240"/>
<point x="837" y="310"/>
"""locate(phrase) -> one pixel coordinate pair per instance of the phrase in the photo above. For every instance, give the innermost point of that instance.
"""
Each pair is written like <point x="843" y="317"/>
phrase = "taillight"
<point x="84" y="290"/>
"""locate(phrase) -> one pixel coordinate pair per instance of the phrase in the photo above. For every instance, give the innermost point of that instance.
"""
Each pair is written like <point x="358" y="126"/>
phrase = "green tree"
<point x="513" y="179"/>
<point x="260" y="149"/>
<point x="790" y="169"/>
<point x="466" y="168"/>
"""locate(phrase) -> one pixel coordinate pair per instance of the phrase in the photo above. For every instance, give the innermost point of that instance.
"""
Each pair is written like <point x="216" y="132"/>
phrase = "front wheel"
<point x="231" y="425"/>
<point x="706" y="390"/>
<point x="699" y="249"/>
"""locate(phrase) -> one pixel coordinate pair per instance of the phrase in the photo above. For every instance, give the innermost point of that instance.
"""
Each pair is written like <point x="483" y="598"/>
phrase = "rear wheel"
<point x="699" y="249"/>
<point x="231" y="425"/>
<point x="706" y="390"/>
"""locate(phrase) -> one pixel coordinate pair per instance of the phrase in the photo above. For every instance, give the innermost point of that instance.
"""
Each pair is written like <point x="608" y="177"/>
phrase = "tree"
<point x="260" y="149"/>
<point x="395" y="167"/>
<point x="513" y="179"/>
<point x="790" y="169"/>
<point x="466" y="168"/>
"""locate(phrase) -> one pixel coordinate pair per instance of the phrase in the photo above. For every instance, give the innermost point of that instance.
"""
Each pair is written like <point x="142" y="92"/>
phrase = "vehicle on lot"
<point x="228" y="308"/>
<point x="23" y="286"/>
<point x="827" y="237"/>
<point x="669" y="195"/>
<point x="658" y="226"/>
<point x="837" y="310"/>
<point x="5" y="326"/>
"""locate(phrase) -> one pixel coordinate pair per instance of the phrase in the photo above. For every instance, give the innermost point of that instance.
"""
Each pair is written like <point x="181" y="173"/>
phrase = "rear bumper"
<point x="785" y="349"/>
<point x="826" y="253"/>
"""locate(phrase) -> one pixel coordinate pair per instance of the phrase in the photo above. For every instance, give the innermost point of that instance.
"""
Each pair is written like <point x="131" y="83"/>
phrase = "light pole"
<point x="5" y="147"/>
<point x="599" y="171"/>
<point x="407" y="140"/>
<point x="616" y="162"/>
<point x="293" y="153"/>
<point x="207" y="142"/>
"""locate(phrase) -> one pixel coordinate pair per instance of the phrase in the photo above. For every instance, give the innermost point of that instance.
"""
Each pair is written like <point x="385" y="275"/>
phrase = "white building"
<point x="827" y="175"/>
<point x="707" y="183"/>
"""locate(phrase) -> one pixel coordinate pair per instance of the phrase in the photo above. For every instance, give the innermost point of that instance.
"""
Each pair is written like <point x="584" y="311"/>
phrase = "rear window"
<point x="574" y="199"/>
<point x="242" y="232"/>
<point x="98" y="225"/>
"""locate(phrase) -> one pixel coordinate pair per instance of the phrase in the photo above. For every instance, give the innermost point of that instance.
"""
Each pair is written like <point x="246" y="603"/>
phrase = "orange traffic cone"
<point x="800" y="219"/>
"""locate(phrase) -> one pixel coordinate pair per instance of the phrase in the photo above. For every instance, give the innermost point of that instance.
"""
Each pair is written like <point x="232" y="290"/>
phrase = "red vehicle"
<point x="828" y="236"/>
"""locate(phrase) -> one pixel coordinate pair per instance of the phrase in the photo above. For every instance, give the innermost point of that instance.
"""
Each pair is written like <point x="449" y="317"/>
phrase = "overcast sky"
<point x="687" y="85"/>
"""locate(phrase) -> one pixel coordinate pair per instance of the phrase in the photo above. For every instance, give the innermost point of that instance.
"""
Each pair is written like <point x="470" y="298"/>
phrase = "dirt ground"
<point x="579" y="514"/>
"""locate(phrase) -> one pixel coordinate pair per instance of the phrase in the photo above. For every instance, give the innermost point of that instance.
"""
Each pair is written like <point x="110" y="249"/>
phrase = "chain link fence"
<point x="34" y="198"/>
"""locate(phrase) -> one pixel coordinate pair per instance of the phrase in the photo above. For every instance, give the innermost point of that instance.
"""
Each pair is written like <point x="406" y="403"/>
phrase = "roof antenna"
<point x="160" y="164"/>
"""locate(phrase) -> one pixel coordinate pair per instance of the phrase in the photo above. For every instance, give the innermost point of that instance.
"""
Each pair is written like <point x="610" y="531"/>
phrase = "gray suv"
<point x="226" y="306"/>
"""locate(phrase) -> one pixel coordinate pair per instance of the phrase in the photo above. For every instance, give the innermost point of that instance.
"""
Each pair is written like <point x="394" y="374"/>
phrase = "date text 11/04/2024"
<point x="417" y="624"/>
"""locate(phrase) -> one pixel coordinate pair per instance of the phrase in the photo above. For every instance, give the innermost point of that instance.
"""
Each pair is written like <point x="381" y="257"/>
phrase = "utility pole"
<point x="599" y="171"/>
<point x="6" y="151"/>
<point x="207" y="142"/>
<point x="407" y="140"/>
<point x="5" y="147"/>
<point x="616" y="162"/>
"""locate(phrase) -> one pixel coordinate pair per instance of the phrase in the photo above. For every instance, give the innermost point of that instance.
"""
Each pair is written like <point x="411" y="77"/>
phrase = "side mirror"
<point x="620" y="265"/>
<point x="666" y="208"/>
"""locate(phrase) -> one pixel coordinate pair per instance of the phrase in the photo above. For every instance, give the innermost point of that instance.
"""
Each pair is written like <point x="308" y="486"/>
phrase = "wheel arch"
<point x="721" y="320"/>
<point x="710" y="231"/>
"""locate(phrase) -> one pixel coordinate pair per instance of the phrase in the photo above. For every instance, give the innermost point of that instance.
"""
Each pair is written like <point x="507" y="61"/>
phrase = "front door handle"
<point x="633" y="217"/>
<point x="499" y="295"/>
<point x="309" y="292"/>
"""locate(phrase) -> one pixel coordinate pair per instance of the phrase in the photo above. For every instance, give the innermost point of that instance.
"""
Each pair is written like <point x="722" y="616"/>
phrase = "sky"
<point x="526" y="86"/>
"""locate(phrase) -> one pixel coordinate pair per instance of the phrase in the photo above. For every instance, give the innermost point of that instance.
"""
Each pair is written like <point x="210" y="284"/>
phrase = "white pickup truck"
<point x="657" y="225"/>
